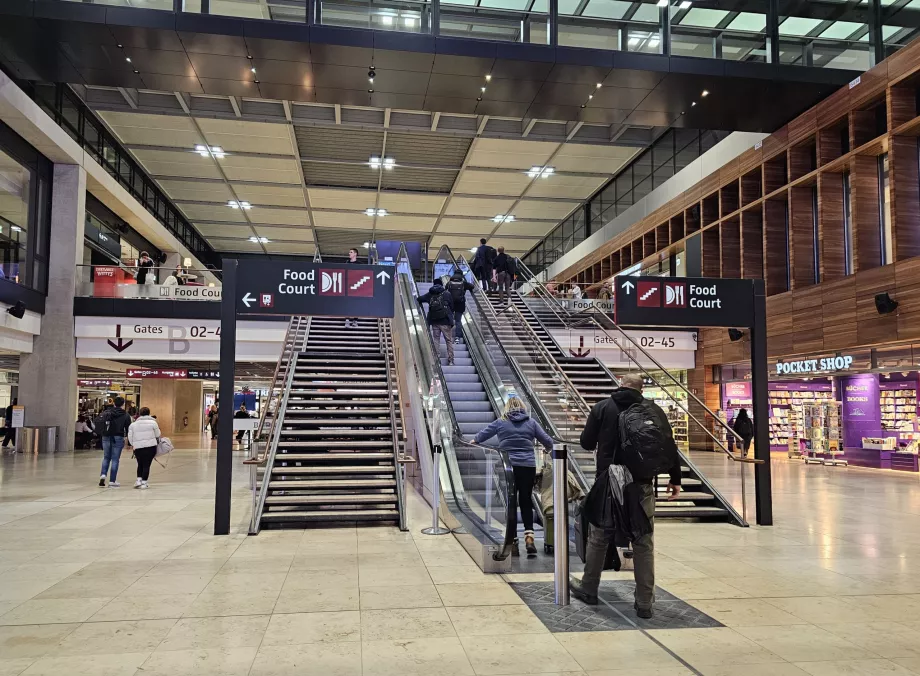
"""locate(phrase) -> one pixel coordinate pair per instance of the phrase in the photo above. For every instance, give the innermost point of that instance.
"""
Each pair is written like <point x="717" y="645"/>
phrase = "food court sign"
<point x="805" y="366"/>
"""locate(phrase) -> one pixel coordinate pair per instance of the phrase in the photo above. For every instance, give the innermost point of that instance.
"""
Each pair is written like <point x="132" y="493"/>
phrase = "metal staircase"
<point x="332" y="456"/>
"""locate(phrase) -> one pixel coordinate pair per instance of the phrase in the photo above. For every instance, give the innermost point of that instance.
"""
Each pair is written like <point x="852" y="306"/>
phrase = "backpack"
<point x="512" y="266"/>
<point x="102" y="423"/>
<point x="744" y="428"/>
<point x="647" y="450"/>
<point x="437" y="308"/>
<point x="457" y="290"/>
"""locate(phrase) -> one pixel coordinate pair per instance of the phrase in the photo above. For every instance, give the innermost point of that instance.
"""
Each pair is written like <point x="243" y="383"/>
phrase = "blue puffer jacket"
<point x="516" y="435"/>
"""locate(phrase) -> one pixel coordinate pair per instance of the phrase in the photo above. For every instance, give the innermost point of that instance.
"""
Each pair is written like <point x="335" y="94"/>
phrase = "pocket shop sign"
<point x="814" y="365"/>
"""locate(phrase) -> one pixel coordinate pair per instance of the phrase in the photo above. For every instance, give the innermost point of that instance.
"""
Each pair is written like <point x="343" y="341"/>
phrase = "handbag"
<point x="164" y="446"/>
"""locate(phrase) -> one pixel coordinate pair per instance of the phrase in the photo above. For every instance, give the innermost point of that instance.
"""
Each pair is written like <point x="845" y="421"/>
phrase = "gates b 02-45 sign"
<point x="683" y="301"/>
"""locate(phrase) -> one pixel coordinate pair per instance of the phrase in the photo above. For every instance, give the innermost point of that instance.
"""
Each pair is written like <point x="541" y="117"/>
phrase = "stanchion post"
<point x="561" y="524"/>
<point x="436" y="528"/>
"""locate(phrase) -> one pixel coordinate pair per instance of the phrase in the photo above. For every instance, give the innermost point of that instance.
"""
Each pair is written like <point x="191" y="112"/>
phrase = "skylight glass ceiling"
<point x="706" y="18"/>
<point x="749" y="22"/>
<point x="798" y="26"/>
<point x="842" y="30"/>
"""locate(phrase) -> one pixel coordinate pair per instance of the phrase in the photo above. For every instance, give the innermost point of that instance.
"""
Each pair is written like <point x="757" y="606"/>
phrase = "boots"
<point x="579" y="592"/>
<point x="515" y="550"/>
<point x="529" y="544"/>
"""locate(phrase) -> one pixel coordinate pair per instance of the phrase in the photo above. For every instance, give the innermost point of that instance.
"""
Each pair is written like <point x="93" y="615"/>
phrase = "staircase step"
<point x="332" y="499"/>
<point x="334" y="469"/>
<point x="331" y="484"/>
<point x="333" y="515"/>
<point x="337" y="443"/>
<point x="334" y="433"/>
<point x="329" y="456"/>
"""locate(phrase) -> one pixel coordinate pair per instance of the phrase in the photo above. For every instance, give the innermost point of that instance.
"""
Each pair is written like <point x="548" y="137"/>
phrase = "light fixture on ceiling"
<point x="249" y="56"/>
<point x="16" y="228"/>
<point x="253" y="70"/>
<point x="233" y="204"/>
<point x="693" y="104"/>
<point x="479" y="98"/>
<point x="377" y="163"/>
<point x="705" y="92"/>
<point x="259" y="240"/>
<point x="137" y="72"/>
<point x="598" y="85"/>
<point x="371" y="211"/>
<point x="386" y="20"/>
<point x="216" y="151"/>
<point x="128" y="59"/>
<point x="120" y="46"/>
<point x="541" y="172"/>
<point x="503" y="218"/>
<point x="371" y="74"/>
<point x="489" y="77"/>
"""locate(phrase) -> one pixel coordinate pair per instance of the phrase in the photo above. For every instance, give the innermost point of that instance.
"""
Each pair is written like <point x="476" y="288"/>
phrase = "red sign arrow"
<point x="121" y="345"/>
<point x="581" y="351"/>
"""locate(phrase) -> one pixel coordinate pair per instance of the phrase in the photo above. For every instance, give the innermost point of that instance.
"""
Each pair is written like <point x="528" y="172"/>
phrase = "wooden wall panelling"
<point x="676" y="228"/>
<point x="692" y="219"/>
<point x="867" y="124"/>
<point x="902" y="104"/>
<point x="904" y="179"/>
<point x="776" y="142"/>
<point x="831" y="226"/>
<point x="831" y="142"/>
<point x="613" y="261"/>
<point x="637" y="249"/>
<point x="625" y="257"/>
<point x="730" y="236"/>
<point x="751" y="186"/>
<point x="752" y="253"/>
<point x="907" y="293"/>
<point x="597" y="272"/>
<point x="750" y="160"/>
<point x="648" y="244"/>
<point x="606" y="267"/>
<point x="872" y="85"/>
<point x="729" y="198"/>
<point x="663" y="236"/>
<point x="865" y="208"/>
<point x="710" y="209"/>
<point x="807" y="320"/>
<point x="775" y="173"/>
<point x="838" y="308"/>
<point x="801" y="236"/>
<point x="803" y="126"/>
<point x="903" y="62"/>
<point x="802" y="159"/>
<point x="711" y="252"/>
<point x="776" y="245"/>
<point x="871" y="327"/>
<point x="834" y="107"/>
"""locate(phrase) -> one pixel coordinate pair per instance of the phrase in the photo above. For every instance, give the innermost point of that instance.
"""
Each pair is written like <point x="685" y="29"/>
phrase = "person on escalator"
<point x="517" y="432"/>
<point x="504" y="275"/>
<point x="483" y="260"/>
<point x="440" y="317"/>
<point x="458" y="286"/>
<point x="629" y="431"/>
<point x="744" y="428"/>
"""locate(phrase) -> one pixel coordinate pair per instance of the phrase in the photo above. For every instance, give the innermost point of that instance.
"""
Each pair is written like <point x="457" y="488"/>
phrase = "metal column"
<point x="560" y="525"/>
<point x="436" y="528"/>
<point x="224" y="474"/>
<point x="763" y="497"/>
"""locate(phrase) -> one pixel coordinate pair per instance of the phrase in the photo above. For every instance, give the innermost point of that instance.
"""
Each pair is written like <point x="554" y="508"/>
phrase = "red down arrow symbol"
<point x="581" y="351"/>
<point x="121" y="345"/>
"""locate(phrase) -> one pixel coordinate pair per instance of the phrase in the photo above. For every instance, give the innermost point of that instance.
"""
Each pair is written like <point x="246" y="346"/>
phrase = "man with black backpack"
<point x="505" y="270"/>
<point x="483" y="261"/>
<point x="458" y="286"/>
<point x="440" y="317"/>
<point x="629" y="430"/>
<point x="112" y="426"/>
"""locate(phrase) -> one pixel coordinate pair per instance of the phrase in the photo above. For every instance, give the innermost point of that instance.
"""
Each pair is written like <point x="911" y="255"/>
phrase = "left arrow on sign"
<point x="383" y="276"/>
<point x="248" y="300"/>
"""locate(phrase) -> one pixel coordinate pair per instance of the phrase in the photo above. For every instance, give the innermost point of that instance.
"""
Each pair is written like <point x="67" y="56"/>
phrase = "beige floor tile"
<point x="446" y="558"/>
<point x="176" y="567"/>
<point x="232" y="583"/>
<point x="380" y="576"/>
<point x="773" y="669"/>
<point x="14" y="666"/>
<point x="714" y="646"/>
<point x="239" y="631"/>
<point x="416" y="657"/>
<point x="745" y="612"/>
<point x="405" y="556"/>
<point x="478" y="594"/>
<point x="517" y="654"/>
<point x="597" y="651"/>
<point x="887" y="607"/>
<point x="215" y="662"/>
<point x="322" y="659"/>
<point x="232" y="603"/>
<point x="816" y="610"/>
<point x="317" y="600"/>
<point x="794" y="644"/>
<point x="854" y="668"/>
<point x="101" y="638"/>
<point x="301" y="628"/>
<point x="887" y="639"/>
<point x="154" y="607"/>
<point x="495" y="620"/>
<point x="33" y="640"/>
<point x="382" y="598"/>
<point x="97" y="586"/>
<point x="122" y="664"/>
<point x="700" y="588"/>
<point x="346" y="576"/>
<point x="163" y="584"/>
<point x="257" y="565"/>
<point x="325" y="561"/>
<point x="458" y="574"/>
<point x="405" y="623"/>
<point x="53" y="611"/>
<point x="911" y="663"/>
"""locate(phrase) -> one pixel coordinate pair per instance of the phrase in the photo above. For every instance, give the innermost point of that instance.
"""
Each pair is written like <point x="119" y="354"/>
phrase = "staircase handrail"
<point x="385" y="343"/>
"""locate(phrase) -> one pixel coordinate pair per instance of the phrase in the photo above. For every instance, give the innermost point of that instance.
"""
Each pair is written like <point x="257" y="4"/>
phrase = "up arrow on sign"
<point x="628" y="286"/>
<point x="383" y="276"/>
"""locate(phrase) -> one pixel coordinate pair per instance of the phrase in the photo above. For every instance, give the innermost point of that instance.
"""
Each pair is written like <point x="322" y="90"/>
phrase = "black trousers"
<point x="524" y="478"/>
<point x="485" y="277"/>
<point x="9" y="436"/>
<point x="144" y="457"/>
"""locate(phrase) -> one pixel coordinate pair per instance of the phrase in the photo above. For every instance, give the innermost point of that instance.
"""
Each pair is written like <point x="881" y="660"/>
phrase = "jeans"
<point x="111" y="453"/>
<point x="438" y="330"/>
<point x="643" y="556"/>
<point x="523" y="486"/>
<point x="503" y="281"/>
<point x="144" y="457"/>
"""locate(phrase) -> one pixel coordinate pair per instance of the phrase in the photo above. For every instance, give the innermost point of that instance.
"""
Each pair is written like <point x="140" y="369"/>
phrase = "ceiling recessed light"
<point x="253" y="70"/>
<point x="233" y="204"/>
<point x="479" y="98"/>
<point x="693" y="104"/>
<point x="599" y="85"/>
<point x="483" y="89"/>
<point x="120" y="46"/>
<point x="583" y="105"/>
<point x="386" y="20"/>
<point x="590" y="96"/>
<point x="371" y="211"/>
<point x="376" y="163"/>
<point x="258" y="240"/>
<point x="705" y="92"/>
<point x="489" y="77"/>
<point x="128" y="59"/>
<point x="502" y="218"/>
<point x="256" y="81"/>
<point x="541" y="172"/>
<point x="249" y="56"/>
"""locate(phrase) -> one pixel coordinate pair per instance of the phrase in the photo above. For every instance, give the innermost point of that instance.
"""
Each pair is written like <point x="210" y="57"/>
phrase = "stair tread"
<point x="351" y="484"/>
<point x="334" y="469"/>
<point x="356" y="514"/>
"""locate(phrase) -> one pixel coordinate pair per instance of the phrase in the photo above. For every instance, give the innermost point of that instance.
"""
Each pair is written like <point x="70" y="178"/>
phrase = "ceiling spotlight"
<point x="693" y="104"/>
<point x="233" y="204"/>
<point x="218" y="152"/>
<point x="371" y="75"/>
<point x="201" y="150"/>
<point x="256" y="81"/>
<point x="258" y="240"/>
<point x="128" y="59"/>
<point x="479" y="98"/>
<point x="376" y="163"/>
<point x="584" y="105"/>
<point x="686" y="4"/>
<point x="541" y="172"/>
<point x="599" y="85"/>
<point x="253" y="70"/>
<point x="705" y="92"/>
<point x="483" y="89"/>
<point x="489" y="77"/>
<point x="590" y="96"/>
<point x="120" y="46"/>
<point x="136" y="72"/>
<point x="370" y="211"/>
<point x="249" y="56"/>
<point x="502" y="218"/>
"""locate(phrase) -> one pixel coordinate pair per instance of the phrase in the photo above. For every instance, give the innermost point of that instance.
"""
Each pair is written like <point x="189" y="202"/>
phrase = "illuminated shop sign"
<point x="814" y="365"/>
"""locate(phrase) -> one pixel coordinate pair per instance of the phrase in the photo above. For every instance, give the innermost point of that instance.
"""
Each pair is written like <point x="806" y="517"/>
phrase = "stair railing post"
<point x="436" y="528"/>
<point x="560" y="524"/>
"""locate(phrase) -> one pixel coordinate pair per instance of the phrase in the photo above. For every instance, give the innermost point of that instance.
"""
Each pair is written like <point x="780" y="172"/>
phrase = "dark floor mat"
<point x="670" y="612"/>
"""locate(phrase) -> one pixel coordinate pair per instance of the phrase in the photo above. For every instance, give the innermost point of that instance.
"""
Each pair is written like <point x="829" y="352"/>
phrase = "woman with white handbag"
<point x="144" y="436"/>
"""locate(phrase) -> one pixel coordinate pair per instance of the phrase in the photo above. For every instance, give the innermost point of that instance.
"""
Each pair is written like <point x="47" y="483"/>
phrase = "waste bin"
<point x="41" y="439"/>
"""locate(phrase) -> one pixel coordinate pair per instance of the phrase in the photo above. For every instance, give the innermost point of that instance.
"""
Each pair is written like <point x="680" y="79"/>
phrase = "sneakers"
<point x="144" y="485"/>
<point x="102" y="481"/>
<point x="529" y="544"/>
<point x="114" y="484"/>
<point x="137" y="484"/>
<point x="450" y="362"/>
<point x="579" y="592"/>
<point x="643" y="613"/>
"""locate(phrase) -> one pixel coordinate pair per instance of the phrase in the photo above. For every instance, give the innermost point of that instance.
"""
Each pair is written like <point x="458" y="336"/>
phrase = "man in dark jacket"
<point x="602" y="432"/>
<point x="10" y="431"/>
<point x="440" y="317"/>
<point x="483" y="262"/>
<point x="458" y="286"/>
<point x="504" y="274"/>
<point x="114" y="429"/>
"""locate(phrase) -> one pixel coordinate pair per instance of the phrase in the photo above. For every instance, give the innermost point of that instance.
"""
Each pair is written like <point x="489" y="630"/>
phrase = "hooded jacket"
<point x="115" y="423"/>
<point x="516" y="436"/>
<point x="437" y="289"/>
<point x="144" y="433"/>
<point x="602" y="429"/>
<point x="458" y="286"/>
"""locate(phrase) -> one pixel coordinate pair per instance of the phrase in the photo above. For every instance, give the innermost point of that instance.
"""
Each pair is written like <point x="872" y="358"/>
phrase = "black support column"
<point x="762" y="478"/>
<point x="224" y="474"/>
<point x="772" y="31"/>
<point x="876" y="37"/>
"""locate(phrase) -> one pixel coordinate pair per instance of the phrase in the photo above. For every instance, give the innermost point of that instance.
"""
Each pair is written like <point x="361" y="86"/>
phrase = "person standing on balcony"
<point x="144" y="268"/>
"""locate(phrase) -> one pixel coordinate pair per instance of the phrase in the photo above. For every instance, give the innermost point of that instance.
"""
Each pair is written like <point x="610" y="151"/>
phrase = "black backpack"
<point x="437" y="308"/>
<point x="646" y="448"/>
<point x="744" y="428"/>
<point x="102" y="422"/>
<point x="457" y="288"/>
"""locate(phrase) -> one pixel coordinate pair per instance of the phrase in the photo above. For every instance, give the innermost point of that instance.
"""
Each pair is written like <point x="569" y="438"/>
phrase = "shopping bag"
<point x="164" y="446"/>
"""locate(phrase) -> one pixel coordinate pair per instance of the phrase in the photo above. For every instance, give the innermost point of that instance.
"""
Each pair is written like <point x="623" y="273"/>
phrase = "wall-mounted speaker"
<point x="885" y="304"/>
<point x="18" y="310"/>
<point x="735" y="335"/>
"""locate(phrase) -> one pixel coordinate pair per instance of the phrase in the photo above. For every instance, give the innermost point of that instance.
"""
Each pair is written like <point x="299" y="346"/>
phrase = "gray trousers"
<point x="503" y="281"/>
<point x="643" y="557"/>
<point x="446" y="330"/>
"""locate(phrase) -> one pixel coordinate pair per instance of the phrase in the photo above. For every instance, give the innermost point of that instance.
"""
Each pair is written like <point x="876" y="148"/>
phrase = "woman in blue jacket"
<point x="517" y="432"/>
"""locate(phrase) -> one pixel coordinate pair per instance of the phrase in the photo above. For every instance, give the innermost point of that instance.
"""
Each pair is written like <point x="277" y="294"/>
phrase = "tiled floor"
<point x="105" y="582"/>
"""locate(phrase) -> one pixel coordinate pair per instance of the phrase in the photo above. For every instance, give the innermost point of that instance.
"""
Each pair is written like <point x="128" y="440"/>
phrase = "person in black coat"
<point x="458" y="286"/>
<point x="440" y="317"/>
<point x="744" y="428"/>
<point x="483" y="262"/>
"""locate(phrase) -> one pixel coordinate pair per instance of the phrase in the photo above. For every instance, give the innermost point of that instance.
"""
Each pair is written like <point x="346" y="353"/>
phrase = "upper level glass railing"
<point x="726" y="31"/>
<point x="114" y="281"/>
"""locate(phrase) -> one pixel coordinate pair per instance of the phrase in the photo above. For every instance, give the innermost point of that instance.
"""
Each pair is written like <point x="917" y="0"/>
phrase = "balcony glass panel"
<point x="505" y="20"/>
<point x="610" y="24"/>
<point x="407" y="17"/>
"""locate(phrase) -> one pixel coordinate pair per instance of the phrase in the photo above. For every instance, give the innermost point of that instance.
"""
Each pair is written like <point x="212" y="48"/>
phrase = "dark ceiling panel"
<point x="553" y="111"/>
<point x="339" y="175"/>
<point x="586" y="75"/>
<point x="502" y="108"/>
<point x="280" y="50"/>
<point x="399" y="82"/>
<point x="415" y="62"/>
<point x="341" y="77"/>
<point x="428" y="149"/>
<point x="282" y="72"/>
<point x="106" y="78"/>
<point x="172" y="83"/>
<point x="218" y="67"/>
<point x="553" y="92"/>
<point x="419" y="180"/>
<point x="338" y="143"/>
<point x="599" y="115"/>
<point x="345" y="97"/>
<point x="209" y="43"/>
<point x="85" y="55"/>
<point x="465" y="106"/>
<point x="147" y="38"/>
<point x="229" y="87"/>
<point x="283" y="92"/>
<point x="518" y="91"/>
<point x="455" y="86"/>
<point x="404" y="101"/>
<point x="523" y="70"/>
<point x="449" y="64"/>
<point x="635" y="79"/>
<point x="160" y="62"/>
<point x="620" y="97"/>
